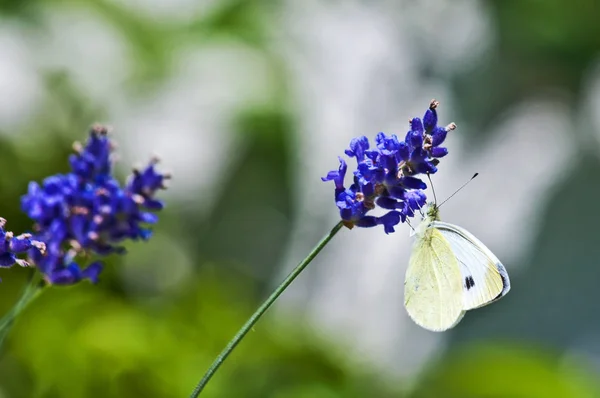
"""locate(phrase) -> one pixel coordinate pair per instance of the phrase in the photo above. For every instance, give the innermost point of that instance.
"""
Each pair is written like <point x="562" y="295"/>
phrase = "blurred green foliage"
<point x="544" y="48"/>
<point x="507" y="370"/>
<point x="105" y="341"/>
<point x="257" y="196"/>
<point x="96" y="344"/>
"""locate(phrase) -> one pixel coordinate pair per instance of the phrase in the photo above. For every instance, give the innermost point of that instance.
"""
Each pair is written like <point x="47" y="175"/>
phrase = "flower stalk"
<point x="32" y="290"/>
<point x="262" y="309"/>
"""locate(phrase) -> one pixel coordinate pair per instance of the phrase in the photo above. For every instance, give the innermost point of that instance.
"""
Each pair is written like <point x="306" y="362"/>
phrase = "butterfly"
<point x="450" y="272"/>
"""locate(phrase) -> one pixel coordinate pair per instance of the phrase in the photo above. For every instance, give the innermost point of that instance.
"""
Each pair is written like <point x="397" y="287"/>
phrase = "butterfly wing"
<point x="433" y="294"/>
<point x="484" y="278"/>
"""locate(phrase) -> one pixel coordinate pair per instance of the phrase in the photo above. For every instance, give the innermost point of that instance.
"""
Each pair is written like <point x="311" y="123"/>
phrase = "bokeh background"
<point x="249" y="102"/>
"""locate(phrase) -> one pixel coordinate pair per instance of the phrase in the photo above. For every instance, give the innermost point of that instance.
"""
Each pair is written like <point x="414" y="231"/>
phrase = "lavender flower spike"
<point x="87" y="212"/>
<point x="387" y="176"/>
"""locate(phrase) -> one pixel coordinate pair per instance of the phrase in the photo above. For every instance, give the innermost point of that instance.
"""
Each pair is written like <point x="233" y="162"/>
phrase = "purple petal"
<point x="415" y="199"/>
<point x="7" y="259"/>
<point x="148" y="218"/>
<point x="415" y="139"/>
<point x="389" y="203"/>
<point x="92" y="272"/>
<point x="438" y="136"/>
<point x="439" y="152"/>
<point x="20" y="245"/>
<point x="397" y="191"/>
<point x="416" y="125"/>
<point x="145" y="233"/>
<point x="403" y="152"/>
<point x="390" y="220"/>
<point x="425" y="167"/>
<point x="430" y="120"/>
<point x="337" y="176"/>
<point x="66" y="276"/>
<point x="412" y="183"/>
<point x="358" y="146"/>
<point x="387" y="145"/>
<point x="366" y="222"/>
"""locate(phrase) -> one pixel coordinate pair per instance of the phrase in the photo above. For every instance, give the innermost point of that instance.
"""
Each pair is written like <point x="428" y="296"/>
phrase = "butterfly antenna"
<point x="455" y="192"/>
<point x="432" y="189"/>
<point x="410" y="225"/>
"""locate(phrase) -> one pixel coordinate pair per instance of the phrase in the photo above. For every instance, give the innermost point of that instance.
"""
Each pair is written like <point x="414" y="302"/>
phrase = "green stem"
<point x="31" y="291"/>
<point x="261" y="310"/>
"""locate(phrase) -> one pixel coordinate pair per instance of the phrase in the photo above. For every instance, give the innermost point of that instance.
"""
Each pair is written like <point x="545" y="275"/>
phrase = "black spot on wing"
<point x="469" y="282"/>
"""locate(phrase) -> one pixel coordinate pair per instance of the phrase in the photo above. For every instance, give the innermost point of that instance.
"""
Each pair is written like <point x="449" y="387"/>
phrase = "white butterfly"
<point x="450" y="272"/>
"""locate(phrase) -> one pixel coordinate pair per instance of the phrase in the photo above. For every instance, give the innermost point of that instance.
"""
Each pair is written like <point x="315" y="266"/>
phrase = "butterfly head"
<point x="431" y="216"/>
<point x="433" y="211"/>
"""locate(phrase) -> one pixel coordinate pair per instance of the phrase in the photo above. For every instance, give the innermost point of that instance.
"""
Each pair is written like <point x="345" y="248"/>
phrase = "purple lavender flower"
<point x="385" y="176"/>
<point x="11" y="246"/>
<point x="87" y="212"/>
